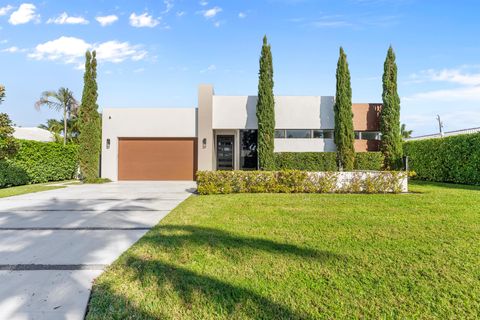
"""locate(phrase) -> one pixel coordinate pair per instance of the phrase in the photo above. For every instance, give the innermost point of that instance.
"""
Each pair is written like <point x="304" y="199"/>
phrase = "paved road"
<point x="54" y="243"/>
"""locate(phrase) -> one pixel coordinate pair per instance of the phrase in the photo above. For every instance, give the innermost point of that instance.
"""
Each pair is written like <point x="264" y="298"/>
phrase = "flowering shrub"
<point x="296" y="181"/>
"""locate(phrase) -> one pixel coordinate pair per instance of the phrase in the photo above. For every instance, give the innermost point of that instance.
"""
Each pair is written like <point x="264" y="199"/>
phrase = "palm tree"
<point x="404" y="132"/>
<point x="64" y="100"/>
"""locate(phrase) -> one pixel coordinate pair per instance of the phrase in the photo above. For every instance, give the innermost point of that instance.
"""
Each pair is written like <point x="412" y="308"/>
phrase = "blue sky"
<point x="155" y="53"/>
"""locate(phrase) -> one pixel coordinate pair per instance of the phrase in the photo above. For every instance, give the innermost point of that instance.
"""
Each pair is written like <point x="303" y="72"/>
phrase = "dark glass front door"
<point x="225" y="154"/>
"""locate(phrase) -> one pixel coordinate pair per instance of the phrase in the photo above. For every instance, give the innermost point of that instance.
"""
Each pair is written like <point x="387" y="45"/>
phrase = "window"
<point x="368" y="135"/>
<point x="323" y="134"/>
<point x="280" y="134"/>
<point x="357" y="135"/>
<point x="248" y="149"/>
<point x="299" y="134"/>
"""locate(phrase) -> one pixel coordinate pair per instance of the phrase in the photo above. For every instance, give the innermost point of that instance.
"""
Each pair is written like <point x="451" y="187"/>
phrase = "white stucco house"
<point x="220" y="134"/>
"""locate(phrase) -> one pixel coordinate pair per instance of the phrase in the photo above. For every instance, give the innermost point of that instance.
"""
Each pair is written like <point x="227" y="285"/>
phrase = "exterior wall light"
<point x="204" y="143"/>
<point x="108" y="143"/>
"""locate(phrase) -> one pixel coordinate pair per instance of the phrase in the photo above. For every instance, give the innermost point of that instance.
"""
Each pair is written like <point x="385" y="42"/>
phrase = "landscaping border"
<point x="296" y="181"/>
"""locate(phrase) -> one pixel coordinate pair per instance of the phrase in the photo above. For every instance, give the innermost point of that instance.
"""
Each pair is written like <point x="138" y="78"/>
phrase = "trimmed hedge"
<point x="451" y="159"/>
<point x="369" y="161"/>
<point x="296" y="181"/>
<point x="38" y="162"/>
<point x="310" y="161"/>
<point x="325" y="161"/>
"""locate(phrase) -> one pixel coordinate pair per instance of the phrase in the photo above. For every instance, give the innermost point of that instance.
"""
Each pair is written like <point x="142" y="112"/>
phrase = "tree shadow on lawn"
<point x="217" y="297"/>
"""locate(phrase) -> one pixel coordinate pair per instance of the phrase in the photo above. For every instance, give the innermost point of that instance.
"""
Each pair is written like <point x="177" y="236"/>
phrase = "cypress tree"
<point x="266" y="109"/>
<point x="391" y="145"/>
<point x="344" y="134"/>
<point x="89" y="122"/>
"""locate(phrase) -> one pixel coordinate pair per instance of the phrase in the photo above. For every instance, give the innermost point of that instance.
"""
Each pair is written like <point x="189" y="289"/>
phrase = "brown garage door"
<point x="156" y="159"/>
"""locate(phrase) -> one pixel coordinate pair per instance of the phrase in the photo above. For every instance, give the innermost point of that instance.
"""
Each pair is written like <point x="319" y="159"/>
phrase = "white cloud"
<point x="458" y="76"/>
<point x="468" y="84"/>
<point x="217" y="24"/>
<point x="5" y="10"/>
<point x="71" y="50"/>
<point x="168" y="6"/>
<point x="116" y="52"/>
<point x="455" y="94"/>
<point x="24" y="14"/>
<point x="67" y="49"/>
<point x="13" y="49"/>
<point x="143" y="20"/>
<point x="211" y="13"/>
<point x="64" y="18"/>
<point x="203" y="3"/>
<point x="210" y="68"/>
<point x="107" y="20"/>
<point x="242" y="15"/>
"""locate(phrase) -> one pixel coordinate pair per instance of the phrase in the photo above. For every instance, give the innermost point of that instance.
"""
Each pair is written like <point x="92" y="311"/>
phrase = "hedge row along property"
<point x="451" y="159"/>
<point x="38" y="162"/>
<point x="249" y="132"/>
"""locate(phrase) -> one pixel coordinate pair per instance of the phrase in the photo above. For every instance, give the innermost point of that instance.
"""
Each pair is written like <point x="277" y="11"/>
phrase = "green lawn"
<point x="272" y="256"/>
<point x="30" y="188"/>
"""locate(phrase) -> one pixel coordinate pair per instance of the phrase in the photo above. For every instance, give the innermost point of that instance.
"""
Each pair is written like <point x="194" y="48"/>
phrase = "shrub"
<point x="12" y="175"/>
<point x="38" y="162"/>
<point x="325" y="161"/>
<point x="369" y="161"/>
<point x="309" y="161"/>
<point x="452" y="159"/>
<point x="296" y="181"/>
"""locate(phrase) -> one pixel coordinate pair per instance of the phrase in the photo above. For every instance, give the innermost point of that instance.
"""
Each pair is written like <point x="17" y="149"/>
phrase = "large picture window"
<point x="248" y="149"/>
<point x="299" y="134"/>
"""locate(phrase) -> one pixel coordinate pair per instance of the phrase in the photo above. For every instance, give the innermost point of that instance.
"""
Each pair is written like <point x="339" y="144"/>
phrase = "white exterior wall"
<point x="304" y="145"/>
<point x="291" y="112"/>
<point x="142" y="123"/>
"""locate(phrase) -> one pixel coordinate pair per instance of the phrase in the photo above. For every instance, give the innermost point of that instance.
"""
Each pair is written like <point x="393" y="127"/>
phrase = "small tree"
<point x="391" y="145"/>
<point x="62" y="99"/>
<point x="8" y="144"/>
<point x="89" y="122"/>
<point x="404" y="132"/>
<point x="344" y="134"/>
<point x="266" y="109"/>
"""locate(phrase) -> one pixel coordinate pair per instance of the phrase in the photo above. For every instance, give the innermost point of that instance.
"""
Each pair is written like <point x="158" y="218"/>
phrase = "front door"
<point x="225" y="154"/>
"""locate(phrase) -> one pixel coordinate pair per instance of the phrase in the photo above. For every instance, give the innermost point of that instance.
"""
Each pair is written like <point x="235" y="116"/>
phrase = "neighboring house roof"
<point x="35" y="134"/>
<point x="446" y="134"/>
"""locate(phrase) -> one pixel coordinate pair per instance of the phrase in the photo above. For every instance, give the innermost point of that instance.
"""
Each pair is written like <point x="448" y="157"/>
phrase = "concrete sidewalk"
<point x="54" y="243"/>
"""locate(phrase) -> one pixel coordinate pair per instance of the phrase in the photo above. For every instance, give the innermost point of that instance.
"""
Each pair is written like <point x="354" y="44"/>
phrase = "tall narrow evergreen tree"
<point x="344" y="134"/>
<point x="266" y="109"/>
<point x="89" y="122"/>
<point x="391" y="145"/>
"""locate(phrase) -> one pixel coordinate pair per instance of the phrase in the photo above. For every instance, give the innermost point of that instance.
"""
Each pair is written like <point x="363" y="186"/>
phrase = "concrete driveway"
<point x="54" y="243"/>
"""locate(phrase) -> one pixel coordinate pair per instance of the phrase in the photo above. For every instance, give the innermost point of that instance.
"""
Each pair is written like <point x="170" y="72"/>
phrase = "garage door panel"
<point x="156" y="159"/>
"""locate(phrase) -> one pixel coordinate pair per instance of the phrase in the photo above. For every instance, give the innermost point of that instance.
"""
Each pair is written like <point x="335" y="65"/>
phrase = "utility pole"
<point x="440" y="125"/>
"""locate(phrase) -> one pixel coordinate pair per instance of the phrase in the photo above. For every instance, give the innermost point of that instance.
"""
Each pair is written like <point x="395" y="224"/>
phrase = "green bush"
<point x="369" y="161"/>
<point x="310" y="161"/>
<point x="325" y="161"/>
<point x="38" y="162"/>
<point x="12" y="175"/>
<point x="452" y="159"/>
<point x="297" y="181"/>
